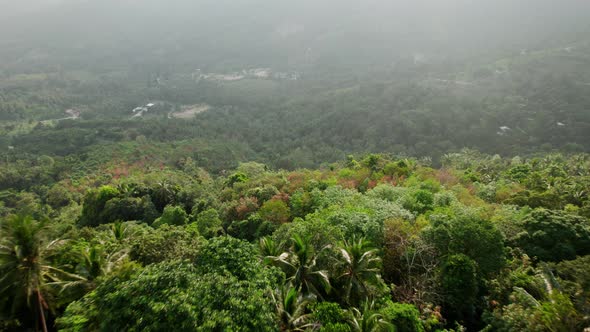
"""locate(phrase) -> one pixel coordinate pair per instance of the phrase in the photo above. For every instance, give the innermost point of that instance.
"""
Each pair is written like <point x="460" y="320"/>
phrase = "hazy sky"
<point x="262" y="27"/>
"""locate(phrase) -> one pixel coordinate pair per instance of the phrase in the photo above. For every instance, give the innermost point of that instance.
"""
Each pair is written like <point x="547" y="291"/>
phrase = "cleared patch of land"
<point x="189" y="112"/>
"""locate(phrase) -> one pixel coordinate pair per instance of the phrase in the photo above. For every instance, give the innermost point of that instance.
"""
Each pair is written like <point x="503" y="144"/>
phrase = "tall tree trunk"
<point x="41" y="311"/>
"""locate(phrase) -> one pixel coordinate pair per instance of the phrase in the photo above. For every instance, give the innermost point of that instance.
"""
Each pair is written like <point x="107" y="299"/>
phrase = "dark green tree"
<point x="174" y="296"/>
<point x="29" y="282"/>
<point x="459" y="283"/>
<point x="209" y="224"/>
<point x="469" y="235"/>
<point x="404" y="316"/>
<point x="94" y="204"/>
<point x="172" y="215"/>
<point x="331" y="317"/>
<point x="554" y="235"/>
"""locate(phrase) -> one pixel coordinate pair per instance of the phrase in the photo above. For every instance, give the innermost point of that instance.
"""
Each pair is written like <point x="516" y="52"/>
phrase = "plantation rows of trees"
<point x="369" y="243"/>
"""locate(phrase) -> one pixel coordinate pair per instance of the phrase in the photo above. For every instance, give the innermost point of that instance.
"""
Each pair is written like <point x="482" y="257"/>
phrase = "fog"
<point x="282" y="33"/>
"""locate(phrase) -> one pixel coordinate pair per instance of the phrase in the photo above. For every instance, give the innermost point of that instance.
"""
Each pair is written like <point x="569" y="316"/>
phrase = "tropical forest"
<point x="329" y="166"/>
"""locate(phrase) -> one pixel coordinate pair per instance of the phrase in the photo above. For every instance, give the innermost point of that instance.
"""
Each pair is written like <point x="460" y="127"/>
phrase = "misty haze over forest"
<point x="295" y="165"/>
<point x="279" y="33"/>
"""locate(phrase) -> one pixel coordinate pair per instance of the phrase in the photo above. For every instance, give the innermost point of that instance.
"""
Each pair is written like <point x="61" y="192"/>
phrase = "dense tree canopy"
<point x="173" y="295"/>
<point x="353" y="246"/>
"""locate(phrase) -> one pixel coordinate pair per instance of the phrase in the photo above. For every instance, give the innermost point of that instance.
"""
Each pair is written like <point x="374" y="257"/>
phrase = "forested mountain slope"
<point x="314" y="165"/>
<point x="376" y="242"/>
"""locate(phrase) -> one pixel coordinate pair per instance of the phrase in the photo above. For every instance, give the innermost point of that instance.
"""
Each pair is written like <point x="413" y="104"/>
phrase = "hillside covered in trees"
<point x="310" y="165"/>
<point x="373" y="243"/>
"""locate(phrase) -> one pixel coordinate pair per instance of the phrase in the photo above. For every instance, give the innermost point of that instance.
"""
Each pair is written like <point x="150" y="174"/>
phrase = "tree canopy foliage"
<point x="347" y="247"/>
<point x="180" y="187"/>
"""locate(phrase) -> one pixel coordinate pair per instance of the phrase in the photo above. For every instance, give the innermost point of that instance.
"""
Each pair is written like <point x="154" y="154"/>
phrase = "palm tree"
<point x="95" y="263"/>
<point x="556" y="311"/>
<point x="368" y="320"/>
<point x="164" y="193"/>
<point x="268" y="249"/>
<point x="119" y="230"/>
<point x="360" y="270"/>
<point x="290" y="306"/>
<point x="27" y="278"/>
<point x="300" y="267"/>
